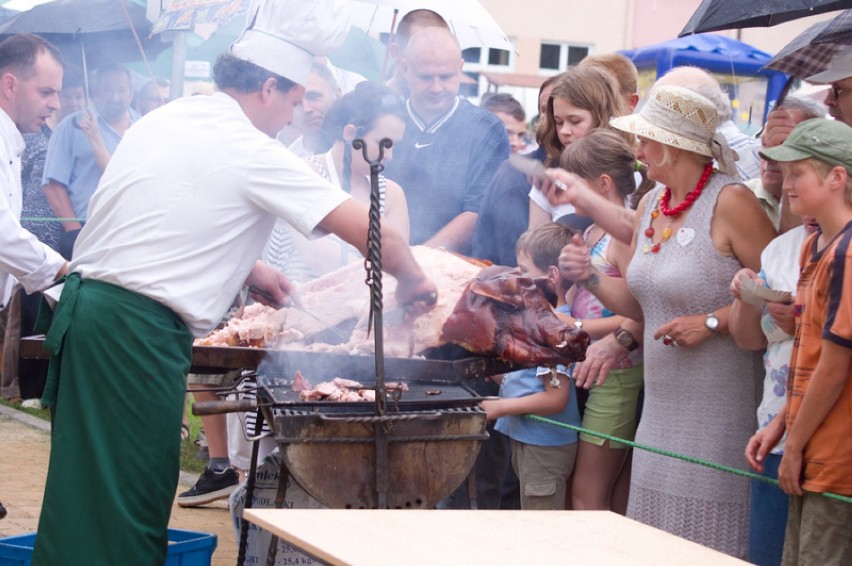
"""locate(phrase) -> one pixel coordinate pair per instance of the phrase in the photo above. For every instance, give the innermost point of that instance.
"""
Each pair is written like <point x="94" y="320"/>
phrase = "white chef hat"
<point x="284" y="36"/>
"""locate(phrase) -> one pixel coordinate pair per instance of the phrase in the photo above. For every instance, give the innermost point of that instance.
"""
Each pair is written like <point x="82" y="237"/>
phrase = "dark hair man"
<point x="81" y="147"/>
<point x="30" y="81"/>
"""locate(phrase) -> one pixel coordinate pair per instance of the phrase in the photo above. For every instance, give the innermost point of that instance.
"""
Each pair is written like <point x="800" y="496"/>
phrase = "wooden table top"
<point x="488" y="538"/>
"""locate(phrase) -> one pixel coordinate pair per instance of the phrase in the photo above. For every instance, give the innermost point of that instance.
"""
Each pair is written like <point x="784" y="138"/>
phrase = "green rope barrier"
<point x="685" y="458"/>
<point x="51" y="219"/>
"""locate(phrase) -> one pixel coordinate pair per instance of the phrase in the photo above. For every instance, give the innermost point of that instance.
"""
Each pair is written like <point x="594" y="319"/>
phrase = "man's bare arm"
<point x="456" y="234"/>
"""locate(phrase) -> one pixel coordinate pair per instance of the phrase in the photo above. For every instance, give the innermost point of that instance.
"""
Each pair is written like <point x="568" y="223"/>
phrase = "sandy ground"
<point x="24" y="452"/>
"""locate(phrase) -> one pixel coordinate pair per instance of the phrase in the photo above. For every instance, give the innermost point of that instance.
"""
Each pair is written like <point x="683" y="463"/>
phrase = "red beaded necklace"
<point x="663" y="206"/>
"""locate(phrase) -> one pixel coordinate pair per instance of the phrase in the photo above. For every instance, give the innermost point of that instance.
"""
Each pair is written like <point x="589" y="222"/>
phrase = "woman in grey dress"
<point x="692" y="234"/>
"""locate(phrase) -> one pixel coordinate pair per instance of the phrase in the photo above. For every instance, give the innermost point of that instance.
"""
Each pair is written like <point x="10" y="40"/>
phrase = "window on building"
<point x="576" y="54"/>
<point x="549" y="58"/>
<point x="472" y="55"/>
<point x="483" y="59"/>
<point x="499" y="57"/>
<point x="470" y="90"/>
<point x="476" y="57"/>
<point x="560" y="56"/>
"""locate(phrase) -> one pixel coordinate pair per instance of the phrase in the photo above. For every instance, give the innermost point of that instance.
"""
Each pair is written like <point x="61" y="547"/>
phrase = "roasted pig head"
<point x="504" y="313"/>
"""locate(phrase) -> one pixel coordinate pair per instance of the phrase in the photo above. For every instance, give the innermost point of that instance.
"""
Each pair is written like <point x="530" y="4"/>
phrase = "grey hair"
<point x="809" y="107"/>
<point x="325" y="74"/>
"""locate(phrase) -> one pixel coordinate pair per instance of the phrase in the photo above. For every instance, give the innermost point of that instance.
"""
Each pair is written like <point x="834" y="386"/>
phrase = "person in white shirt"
<point x="30" y="81"/>
<point x="175" y="228"/>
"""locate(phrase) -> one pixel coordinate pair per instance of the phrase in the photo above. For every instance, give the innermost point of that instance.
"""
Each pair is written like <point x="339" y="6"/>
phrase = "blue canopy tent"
<point x="737" y="66"/>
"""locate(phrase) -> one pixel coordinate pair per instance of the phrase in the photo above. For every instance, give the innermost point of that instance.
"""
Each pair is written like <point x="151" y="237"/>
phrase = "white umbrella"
<point x="469" y="20"/>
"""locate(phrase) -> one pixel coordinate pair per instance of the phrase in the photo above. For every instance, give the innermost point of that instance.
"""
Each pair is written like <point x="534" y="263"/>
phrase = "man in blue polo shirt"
<point x="81" y="147"/>
<point x="451" y="148"/>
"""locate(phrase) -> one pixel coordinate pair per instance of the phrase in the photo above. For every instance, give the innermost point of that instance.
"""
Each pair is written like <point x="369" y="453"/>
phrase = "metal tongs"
<point x="291" y="304"/>
<point x="533" y="168"/>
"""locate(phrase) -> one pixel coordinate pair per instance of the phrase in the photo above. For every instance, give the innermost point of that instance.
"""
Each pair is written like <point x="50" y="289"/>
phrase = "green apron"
<point x="116" y="385"/>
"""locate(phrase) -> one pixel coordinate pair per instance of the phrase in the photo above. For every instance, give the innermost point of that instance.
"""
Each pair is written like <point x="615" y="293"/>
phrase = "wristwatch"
<point x="578" y="324"/>
<point x="712" y="322"/>
<point x="625" y="339"/>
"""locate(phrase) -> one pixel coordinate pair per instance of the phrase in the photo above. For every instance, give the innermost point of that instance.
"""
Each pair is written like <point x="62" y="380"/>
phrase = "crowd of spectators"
<point x="653" y="227"/>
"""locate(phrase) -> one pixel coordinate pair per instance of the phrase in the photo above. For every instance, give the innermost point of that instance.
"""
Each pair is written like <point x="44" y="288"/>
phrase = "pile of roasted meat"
<point x="339" y="389"/>
<point x="487" y="310"/>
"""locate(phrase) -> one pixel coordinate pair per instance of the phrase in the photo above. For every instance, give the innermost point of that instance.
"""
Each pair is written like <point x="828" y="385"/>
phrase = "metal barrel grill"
<point x="408" y="449"/>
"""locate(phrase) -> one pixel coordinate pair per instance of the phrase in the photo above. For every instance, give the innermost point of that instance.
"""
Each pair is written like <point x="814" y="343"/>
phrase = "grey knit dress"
<point x="698" y="401"/>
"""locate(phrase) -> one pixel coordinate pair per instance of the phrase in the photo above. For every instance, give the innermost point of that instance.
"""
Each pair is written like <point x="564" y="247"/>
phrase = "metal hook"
<point x="375" y="166"/>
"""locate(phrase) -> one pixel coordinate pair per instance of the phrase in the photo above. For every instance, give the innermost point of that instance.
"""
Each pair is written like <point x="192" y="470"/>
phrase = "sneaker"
<point x="31" y="404"/>
<point x="210" y="487"/>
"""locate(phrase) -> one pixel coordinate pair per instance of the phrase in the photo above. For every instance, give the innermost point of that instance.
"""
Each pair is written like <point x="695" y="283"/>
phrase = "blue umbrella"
<point x="104" y="28"/>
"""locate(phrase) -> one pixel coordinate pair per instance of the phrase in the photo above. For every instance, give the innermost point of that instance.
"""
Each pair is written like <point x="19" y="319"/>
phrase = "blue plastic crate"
<point x="186" y="548"/>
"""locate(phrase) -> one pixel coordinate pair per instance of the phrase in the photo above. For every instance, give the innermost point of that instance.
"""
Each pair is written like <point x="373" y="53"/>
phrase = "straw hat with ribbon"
<point x="681" y="118"/>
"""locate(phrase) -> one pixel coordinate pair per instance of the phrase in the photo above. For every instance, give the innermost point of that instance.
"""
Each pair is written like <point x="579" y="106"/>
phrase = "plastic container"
<point x="186" y="548"/>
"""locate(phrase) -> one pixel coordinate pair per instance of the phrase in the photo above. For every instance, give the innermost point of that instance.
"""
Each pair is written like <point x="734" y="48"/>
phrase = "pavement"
<point x="24" y="453"/>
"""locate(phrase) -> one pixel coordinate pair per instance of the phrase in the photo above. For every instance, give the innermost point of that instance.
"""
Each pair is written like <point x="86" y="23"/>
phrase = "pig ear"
<point x="500" y="284"/>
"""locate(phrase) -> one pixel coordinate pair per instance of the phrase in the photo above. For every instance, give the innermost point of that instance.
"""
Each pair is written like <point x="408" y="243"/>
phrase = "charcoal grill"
<point x="407" y="450"/>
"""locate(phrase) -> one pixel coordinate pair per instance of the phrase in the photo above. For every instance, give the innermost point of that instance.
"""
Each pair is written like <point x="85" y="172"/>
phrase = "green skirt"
<point x="116" y="386"/>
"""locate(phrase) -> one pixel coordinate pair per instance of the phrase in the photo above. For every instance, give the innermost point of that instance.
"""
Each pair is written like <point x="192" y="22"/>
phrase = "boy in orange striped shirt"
<point x="817" y="164"/>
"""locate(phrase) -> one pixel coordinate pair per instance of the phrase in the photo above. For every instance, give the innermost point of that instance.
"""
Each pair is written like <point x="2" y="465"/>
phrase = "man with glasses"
<point x="839" y="76"/>
<point x="838" y="99"/>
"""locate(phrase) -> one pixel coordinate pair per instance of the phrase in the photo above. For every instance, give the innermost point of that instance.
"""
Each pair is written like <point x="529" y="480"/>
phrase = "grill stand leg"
<point x="471" y="488"/>
<point x="250" y="481"/>
<point x="382" y="477"/>
<point x="280" y="496"/>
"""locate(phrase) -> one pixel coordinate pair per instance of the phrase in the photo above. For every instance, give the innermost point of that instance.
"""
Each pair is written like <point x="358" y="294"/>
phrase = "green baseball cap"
<point x="826" y="140"/>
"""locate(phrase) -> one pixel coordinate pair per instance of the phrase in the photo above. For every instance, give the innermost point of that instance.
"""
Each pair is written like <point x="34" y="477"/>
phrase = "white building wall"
<point x="609" y="25"/>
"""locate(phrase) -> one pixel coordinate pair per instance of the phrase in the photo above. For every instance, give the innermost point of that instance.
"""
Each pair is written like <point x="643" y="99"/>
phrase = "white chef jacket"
<point x="23" y="257"/>
<point x="187" y="203"/>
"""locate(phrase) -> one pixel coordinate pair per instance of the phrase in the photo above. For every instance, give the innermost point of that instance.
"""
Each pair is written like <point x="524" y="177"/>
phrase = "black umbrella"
<point x="715" y="15"/>
<point x="103" y="28"/>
